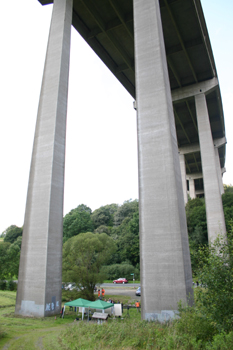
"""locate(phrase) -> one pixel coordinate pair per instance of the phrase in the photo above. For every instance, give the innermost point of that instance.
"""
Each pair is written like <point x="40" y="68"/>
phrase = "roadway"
<point x="121" y="289"/>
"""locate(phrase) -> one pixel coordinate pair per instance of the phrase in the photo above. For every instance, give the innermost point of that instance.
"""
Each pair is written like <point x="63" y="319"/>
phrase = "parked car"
<point x="69" y="286"/>
<point x="120" y="280"/>
<point x="138" y="292"/>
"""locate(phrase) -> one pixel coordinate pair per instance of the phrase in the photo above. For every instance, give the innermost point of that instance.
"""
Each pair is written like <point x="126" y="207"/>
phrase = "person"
<point x="103" y="292"/>
<point x="98" y="293"/>
<point x="137" y="304"/>
<point x="61" y="313"/>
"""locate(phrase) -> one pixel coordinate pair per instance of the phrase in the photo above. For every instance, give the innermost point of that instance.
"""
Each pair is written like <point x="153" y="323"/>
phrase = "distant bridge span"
<point x="160" y="51"/>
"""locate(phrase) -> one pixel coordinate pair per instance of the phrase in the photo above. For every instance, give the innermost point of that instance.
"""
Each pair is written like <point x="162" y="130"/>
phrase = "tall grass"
<point x="190" y="332"/>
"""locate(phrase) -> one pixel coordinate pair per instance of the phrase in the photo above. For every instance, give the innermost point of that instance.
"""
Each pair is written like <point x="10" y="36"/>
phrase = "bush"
<point x="2" y="285"/>
<point x="194" y="325"/>
<point x="11" y="285"/>
<point x="214" y="298"/>
<point x="221" y="341"/>
<point x="120" y="270"/>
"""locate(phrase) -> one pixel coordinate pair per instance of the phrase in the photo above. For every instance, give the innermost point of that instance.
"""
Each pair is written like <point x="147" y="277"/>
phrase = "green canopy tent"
<point x="99" y="304"/>
<point x="78" y="303"/>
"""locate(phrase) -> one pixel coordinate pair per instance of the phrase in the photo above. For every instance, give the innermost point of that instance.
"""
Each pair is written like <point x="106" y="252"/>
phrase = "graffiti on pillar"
<point x="53" y="305"/>
<point x="47" y="307"/>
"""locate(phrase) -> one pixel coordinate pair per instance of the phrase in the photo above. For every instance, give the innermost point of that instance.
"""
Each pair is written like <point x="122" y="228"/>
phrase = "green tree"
<point x="128" y="241"/>
<point x="104" y="215"/>
<point x="127" y="209"/>
<point x="215" y="298"/>
<point x="83" y="257"/>
<point x="196" y="221"/>
<point x="227" y="201"/>
<point x="104" y="229"/>
<point x="14" y="256"/>
<point x="12" y="233"/>
<point x="4" y="260"/>
<point x="9" y="259"/>
<point x="76" y="221"/>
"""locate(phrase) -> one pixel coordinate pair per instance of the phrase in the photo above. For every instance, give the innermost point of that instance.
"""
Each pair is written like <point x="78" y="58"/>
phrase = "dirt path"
<point x="33" y="340"/>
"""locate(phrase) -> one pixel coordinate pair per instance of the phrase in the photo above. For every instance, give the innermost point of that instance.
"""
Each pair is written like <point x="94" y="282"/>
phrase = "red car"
<point x="120" y="280"/>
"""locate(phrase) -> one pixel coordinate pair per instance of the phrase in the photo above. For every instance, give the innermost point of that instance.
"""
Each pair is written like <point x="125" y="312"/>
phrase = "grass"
<point x="33" y="333"/>
<point x="190" y="332"/>
<point x="28" y="333"/>
<point x="7" y="298"/>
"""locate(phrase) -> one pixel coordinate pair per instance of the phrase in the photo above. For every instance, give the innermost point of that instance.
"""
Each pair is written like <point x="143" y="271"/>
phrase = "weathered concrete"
<point x="199" y="192"/>
<point x="166" y="274"/>
<point x="195" y="147"/>
<point x="219" y="171"/>
<point x="194" y="176"/>
<point x="192" y="191"/>
<point x="194" y="90"/>
<point x="39" y="282"/>
<point x="220" y="142"/>
<point x="183" y="177"/>
<point x="213" y="201"/>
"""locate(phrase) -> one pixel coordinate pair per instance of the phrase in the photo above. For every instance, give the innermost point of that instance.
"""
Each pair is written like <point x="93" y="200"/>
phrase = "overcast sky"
<point x="101" y="150"/>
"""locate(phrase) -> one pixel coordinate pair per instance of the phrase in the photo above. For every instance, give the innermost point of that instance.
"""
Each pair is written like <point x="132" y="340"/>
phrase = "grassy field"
<point x="190" y="332"/>
<point x="38" y="333"/>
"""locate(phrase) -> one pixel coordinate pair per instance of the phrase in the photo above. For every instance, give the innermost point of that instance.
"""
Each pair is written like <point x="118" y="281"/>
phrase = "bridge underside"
<point x="107" y="26"/>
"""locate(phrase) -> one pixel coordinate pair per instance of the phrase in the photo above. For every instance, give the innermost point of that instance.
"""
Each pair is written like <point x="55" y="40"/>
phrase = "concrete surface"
<point x="213" y="200"/>
<point x="39" y="286"/>
<point x="164" y="252"/>
<point x="183" y="177"/>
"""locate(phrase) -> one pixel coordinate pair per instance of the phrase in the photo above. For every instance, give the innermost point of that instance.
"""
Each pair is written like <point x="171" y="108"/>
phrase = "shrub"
<point x="120" y="270"/>
<point x="2" y="285"/>
<point x="11" y="285"/>
<point x="214" y="298"/>
<point x="194" y="325"/>
<point x="221" y="341"/>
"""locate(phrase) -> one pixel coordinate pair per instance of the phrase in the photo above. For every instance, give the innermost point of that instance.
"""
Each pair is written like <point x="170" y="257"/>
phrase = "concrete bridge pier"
<point x="39" y="286"/>
<point x="219" y="170"/>
<point x="164" y="251"/>
<point x="192" y="191"/>
<point x="213" y="200"/>
<point x="183" y="177"/>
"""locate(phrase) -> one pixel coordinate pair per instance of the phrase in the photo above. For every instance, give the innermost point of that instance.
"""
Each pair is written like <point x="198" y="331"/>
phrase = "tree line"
<point x="113" y="226"/>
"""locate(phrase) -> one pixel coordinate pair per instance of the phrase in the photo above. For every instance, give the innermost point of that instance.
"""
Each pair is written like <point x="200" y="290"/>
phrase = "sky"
<point x="101" y="146"/>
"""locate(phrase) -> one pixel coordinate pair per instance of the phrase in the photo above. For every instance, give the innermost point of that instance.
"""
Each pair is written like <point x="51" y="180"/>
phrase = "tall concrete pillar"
<point x="164" y="251"/>
<point x="192" y="191"/>
<point x="39" y="281"/>
<point x="219" y="171"/>
<point x="213" y="200"/>
<point x="183" y="177"/>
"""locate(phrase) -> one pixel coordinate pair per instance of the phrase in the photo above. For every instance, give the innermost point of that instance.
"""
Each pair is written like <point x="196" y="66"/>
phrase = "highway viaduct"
<point x="160" y="52"/>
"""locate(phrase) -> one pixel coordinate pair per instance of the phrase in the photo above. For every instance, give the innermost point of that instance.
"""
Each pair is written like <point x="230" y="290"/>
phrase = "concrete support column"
<point x="192" y="191"/>
<point x="219" y="171"/>
<point x="183" y="177"/>
<point x="39" y="281"/>
<point x="166" y="274"/>
<point x="213" y="200"/>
